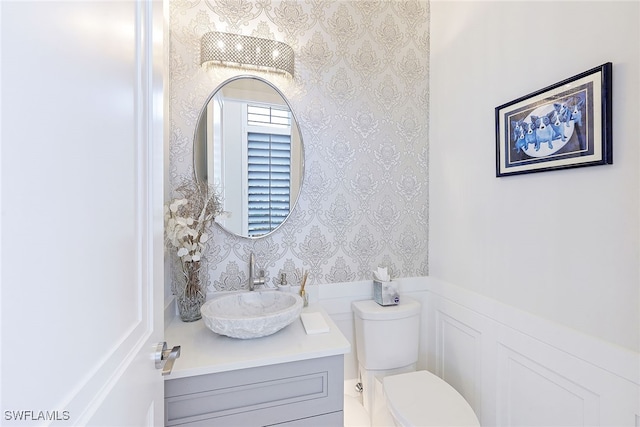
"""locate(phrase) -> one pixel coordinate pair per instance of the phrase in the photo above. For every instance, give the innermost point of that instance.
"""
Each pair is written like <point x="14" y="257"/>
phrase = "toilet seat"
<point x="423" y="399"/>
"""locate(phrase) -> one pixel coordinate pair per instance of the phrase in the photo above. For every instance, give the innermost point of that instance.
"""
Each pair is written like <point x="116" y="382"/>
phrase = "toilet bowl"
<point x="387" y="352"/>
<point x="423" y="399"/>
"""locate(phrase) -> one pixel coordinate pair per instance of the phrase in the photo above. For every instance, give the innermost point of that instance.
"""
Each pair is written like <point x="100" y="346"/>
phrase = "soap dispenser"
<point x="283" y="285"/>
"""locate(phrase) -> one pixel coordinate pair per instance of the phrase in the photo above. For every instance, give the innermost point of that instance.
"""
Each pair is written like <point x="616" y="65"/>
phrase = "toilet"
<point x="387" y="350"/>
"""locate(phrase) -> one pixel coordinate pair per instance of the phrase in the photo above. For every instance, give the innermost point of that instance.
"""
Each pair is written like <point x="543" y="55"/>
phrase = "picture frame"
<point x="565" y="125"/>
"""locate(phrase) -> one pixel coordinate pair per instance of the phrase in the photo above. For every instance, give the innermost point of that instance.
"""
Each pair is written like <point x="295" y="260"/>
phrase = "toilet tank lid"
<point x="371" y="310"/>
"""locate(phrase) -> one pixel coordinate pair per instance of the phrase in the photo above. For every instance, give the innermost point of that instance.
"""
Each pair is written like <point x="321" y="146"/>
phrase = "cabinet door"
<point x="260" y="396"/>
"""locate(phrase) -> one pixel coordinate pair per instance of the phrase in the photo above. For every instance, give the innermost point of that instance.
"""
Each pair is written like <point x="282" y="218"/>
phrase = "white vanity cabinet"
<point x="285" y="379"/>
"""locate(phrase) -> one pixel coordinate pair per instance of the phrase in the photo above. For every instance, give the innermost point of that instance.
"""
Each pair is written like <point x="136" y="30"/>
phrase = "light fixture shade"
<point x="246" y="51"/>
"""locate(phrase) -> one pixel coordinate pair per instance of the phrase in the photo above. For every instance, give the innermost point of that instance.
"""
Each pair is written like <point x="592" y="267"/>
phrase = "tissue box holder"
<point x="385" y="293"/>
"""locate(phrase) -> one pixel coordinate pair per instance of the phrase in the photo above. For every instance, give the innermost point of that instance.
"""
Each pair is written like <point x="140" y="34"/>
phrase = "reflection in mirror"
<point x="248" y="145"/>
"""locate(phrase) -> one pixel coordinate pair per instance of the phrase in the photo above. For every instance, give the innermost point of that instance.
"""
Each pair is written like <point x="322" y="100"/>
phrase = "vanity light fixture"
<point x="246" y="51"/>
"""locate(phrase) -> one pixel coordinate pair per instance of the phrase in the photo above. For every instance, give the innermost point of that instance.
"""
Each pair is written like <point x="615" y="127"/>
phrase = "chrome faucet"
<point x="253" y="281"/>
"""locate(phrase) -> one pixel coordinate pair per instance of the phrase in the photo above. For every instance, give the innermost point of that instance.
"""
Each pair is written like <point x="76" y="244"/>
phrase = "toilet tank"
<point x="387" y="337"/>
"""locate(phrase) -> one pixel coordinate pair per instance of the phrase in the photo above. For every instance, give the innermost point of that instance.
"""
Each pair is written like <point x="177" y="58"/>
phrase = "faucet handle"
<point x="260" y="280"/>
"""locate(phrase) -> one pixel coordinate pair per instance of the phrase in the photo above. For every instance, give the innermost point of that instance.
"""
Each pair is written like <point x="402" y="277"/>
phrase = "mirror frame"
<point x="302" y="151"/>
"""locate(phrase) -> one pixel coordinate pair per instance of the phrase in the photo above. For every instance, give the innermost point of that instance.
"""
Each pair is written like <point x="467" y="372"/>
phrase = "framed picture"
<point x="565" y="125"/>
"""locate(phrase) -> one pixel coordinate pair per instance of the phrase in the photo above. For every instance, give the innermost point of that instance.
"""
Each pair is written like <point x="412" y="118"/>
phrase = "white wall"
<point x="564" y="244"/>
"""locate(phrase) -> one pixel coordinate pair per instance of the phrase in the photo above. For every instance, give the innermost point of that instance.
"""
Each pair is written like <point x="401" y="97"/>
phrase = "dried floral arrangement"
<point x="187" y="219"/>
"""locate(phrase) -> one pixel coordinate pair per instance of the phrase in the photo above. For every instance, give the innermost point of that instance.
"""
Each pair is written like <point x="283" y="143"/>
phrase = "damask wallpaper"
<point x="360" y="94"/>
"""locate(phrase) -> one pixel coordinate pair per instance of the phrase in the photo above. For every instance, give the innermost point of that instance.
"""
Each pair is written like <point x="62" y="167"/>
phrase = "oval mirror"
<point x="247" y="143"/>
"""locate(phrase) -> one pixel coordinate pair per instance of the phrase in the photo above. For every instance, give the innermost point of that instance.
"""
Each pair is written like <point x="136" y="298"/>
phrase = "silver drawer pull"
<point x="165" y="358"/>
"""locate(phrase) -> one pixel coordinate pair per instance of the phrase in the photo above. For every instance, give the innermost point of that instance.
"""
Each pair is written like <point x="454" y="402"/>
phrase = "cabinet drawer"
<point x="257" y="396"/>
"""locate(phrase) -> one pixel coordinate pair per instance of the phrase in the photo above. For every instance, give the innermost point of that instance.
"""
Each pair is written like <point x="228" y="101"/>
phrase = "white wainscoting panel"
<point x="532" y="394"/>
<point x="458" y="351"/>
<point x="515" y="369"/>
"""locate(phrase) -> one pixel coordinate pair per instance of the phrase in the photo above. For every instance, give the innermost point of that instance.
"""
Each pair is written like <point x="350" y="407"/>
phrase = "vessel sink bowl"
<point x="251" y="314"/>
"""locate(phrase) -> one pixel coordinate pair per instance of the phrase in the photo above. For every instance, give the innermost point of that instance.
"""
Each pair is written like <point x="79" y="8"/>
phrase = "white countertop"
<point x="205" y="352"/>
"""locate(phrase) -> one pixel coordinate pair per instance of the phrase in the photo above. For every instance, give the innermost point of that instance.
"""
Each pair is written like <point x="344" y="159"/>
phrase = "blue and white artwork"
<point x="555" y="127"/>
<point x="562" y="126"/>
